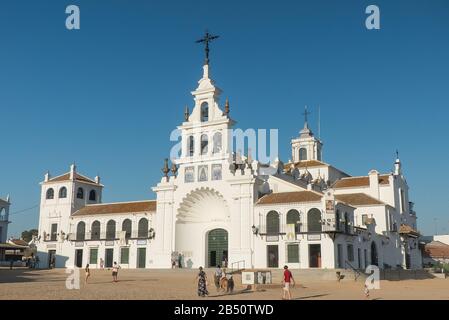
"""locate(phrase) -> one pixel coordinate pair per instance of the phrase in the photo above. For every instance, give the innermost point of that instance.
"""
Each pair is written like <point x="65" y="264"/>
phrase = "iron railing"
<point x="105" y="236"/>
<point x="327" y="227"/>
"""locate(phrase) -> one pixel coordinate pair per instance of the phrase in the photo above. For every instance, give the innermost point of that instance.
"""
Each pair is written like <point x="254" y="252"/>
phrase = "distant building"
<point x="435" y="252"/>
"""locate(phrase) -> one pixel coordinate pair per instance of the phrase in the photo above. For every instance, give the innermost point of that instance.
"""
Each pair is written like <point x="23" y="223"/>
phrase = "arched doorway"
<point x="374" y="256"/>
<point x="217" y="247"/>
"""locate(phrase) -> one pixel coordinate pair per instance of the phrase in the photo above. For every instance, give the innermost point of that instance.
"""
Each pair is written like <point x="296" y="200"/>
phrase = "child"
<point x="366" y="291"/>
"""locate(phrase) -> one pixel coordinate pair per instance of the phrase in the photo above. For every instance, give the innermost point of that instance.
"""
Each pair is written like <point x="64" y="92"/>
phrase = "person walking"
<point x="101" y="263"/>
<point x="288" y="277"/>
<point x="217" y="277"/>
<point x="180" y="261"/>
<point x="87" y="269"/>
<point x="202" y="283"/>
<point x="115" y="268"/>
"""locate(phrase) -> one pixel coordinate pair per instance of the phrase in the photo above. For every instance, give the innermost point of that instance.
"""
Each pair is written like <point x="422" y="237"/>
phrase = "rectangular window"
<point x="364" y="218"/>
<point x="54" y="232"/>
<point x="202" y="173"/>
<point x="189" y="174"/>
<point x="293" y="253"/>
<point x="350" y="252"/>
<point x="93" y="256"/>
<point x="124" y="255"/>
<point x="216" y="172"/>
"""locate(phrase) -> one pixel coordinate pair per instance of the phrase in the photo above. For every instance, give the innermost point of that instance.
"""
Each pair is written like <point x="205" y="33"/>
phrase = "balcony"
<point x="302" y="228"/>
<point x="108" y="236"/>
<point x="4" y="219"/>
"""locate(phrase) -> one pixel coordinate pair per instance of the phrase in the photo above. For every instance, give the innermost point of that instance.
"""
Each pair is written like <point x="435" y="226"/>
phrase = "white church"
<point x="213" y="205"/>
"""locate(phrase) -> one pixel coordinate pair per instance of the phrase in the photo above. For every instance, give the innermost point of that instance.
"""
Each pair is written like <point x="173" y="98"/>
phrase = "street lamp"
<point x="255" y="230"/>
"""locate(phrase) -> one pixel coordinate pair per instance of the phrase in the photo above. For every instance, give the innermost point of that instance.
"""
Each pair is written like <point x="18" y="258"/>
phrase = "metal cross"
<point x="306" y="113"/>
<point x="207" y="38"/>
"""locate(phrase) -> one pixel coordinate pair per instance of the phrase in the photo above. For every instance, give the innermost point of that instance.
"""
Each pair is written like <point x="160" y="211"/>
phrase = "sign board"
<point x="142" y="241"/>
<point x="330" y="206"/>
<point x="247" y="277"/>
<point x="79" y="244"/>
<point x="109" y="243"/>
<point x="51" y="246"/>
<point x="272" y="238"/>
<point x="256" y="277"/>
<point x="314" y="237"/>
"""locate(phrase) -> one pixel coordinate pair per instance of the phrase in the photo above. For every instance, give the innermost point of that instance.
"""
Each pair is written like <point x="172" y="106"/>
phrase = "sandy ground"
<point x="180" y="285"/>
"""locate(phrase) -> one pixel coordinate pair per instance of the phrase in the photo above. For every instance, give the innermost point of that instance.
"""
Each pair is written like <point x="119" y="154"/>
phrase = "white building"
<point x="4" y="221"/>
<point x="212" y="207"/>
<point x="4" y="218"/>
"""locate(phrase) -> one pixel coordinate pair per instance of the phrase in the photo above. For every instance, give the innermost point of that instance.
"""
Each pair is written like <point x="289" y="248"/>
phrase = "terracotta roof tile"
<point x="405" y="229"/>
<point x="358" y="199"/>
<point x="121" y="207"/>
<point x="352" y="182"/>
<point x="436" y="249"/>
<point x="308" y="164"/>
<point x="290" y="197"/>
<point x="66" y="177"/>
<point x="19" y="242"/>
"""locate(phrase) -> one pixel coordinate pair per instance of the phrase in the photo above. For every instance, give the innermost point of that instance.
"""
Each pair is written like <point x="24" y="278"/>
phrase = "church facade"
<point x="214" y="206"/>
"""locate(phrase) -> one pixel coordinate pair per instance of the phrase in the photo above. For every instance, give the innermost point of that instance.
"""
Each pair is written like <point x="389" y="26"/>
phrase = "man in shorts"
<point x="287" y="279"/>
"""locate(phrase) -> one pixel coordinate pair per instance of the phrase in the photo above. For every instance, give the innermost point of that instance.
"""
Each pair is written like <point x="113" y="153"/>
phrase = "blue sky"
<point x="107" y="96"/>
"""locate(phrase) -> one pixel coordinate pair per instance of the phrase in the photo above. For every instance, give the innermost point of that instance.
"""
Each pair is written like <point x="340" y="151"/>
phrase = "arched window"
<point x="346" y="222"/>
<point x="273" y="223"/>
<point x="95" y="231"/>
<point x="191" y="146"/>
<point x="204" y="143"/>
<point x="143" y="228"/>
<point x="110" y="230"/>
<point x="217" y="142"/>
<point x="302" y="154"/>
<point x="80" y="231"/>
<point x="314" y="220"/>
<point x="63" y="192"/>
<point x="293" y="218"/>
<point x="80" y="193"/>
<point x="204" y="112"/>
<point x="126" y="226"/>
<point x="92" y="195"/>
<point x="50" y="193"/>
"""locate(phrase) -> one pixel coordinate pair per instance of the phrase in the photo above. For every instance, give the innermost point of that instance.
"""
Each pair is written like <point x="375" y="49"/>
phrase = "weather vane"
<point x="207" y="38"/>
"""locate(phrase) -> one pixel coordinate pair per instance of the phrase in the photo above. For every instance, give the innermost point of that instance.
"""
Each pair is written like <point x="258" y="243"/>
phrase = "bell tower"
<point x="306" y="147"/>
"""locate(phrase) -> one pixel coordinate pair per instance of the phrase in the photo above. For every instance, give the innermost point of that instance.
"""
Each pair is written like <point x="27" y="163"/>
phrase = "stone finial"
<point x="165" y="169"/>
<point x="174" y="169"/>
<point x="72" y="171"/>
<point x="226" y="112"/>
<point x="47" y="176"/>
<point x="186" y="114"/>
<point x="97" y="179"/>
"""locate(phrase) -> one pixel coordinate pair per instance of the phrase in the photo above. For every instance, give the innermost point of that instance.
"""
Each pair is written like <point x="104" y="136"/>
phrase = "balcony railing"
<point x="306" y="229"/>
<point x="3" y="218"/>
<point x="105" y="236"/>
